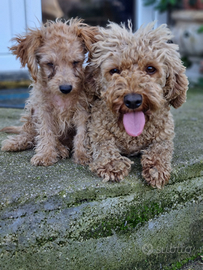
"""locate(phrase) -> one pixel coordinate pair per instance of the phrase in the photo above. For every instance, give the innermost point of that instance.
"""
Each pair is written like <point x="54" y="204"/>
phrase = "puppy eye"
<point x="114" y="70"/>
<point x="50" y="64"/>
<point x="75" y="63"/>
<point x="150" y="70"/>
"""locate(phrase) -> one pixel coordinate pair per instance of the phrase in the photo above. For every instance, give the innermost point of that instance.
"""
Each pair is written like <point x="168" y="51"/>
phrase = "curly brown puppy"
<point x="57" y="104"/>
<point x="136" y="77"/>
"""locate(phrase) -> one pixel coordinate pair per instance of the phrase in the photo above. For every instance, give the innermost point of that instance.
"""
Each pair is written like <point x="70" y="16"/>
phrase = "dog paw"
<point x="156" y="176"/>
<point x="80" y="157"/>
<point x="115" y="170"/>
<point x="63" y="151"/>
<point x="8" y="146"/>
<point x="39" y="160"/>
<point x="13" y="144"/>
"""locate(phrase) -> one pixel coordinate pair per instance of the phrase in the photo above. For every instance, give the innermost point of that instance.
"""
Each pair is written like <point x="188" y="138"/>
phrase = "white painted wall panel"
<point x="8" y="62"/>
<point x="147" y="14"/>
<point x="33" y="13"/>
<point x="5" y="26"/>
<point x="15" y="17"/>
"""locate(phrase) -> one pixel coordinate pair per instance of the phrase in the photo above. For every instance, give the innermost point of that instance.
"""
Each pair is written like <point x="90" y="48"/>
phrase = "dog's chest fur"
<point x="60" y="110"/>
<point x="104" y="127"/>
<point x="63" y="113"/>
<point x="61" y="104"/>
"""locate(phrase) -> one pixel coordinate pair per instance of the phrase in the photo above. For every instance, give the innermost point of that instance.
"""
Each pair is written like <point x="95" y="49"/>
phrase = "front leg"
<point x="156" y="163"/>
<point x="108" y="163"/>
<point x="81" y="154"/>
<point x="45" y="150"/>
<point x="48" y="147"/>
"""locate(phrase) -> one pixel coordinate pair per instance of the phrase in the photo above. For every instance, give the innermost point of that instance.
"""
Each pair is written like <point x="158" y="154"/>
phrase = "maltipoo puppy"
<point x="136" y="78"/>
<point x="57" y="109"/>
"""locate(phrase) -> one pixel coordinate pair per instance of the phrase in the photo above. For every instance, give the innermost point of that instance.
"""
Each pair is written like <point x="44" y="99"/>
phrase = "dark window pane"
<point x="95" y="12"/>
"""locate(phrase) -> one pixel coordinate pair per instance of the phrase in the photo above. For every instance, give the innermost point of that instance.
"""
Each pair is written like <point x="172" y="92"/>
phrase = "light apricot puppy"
<point x="57" y="108"/>
<point x="136" y="77"/>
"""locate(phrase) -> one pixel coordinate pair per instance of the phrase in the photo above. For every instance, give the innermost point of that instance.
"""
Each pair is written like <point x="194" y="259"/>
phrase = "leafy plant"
<point x="186" y="61"/>
<point x="163" y="5"/>
<point x="200" y="30"/>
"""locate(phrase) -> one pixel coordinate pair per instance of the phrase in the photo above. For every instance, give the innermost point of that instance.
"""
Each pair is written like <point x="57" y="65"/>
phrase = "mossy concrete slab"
<point x="65" y="217"/>
<point x="169" y="237"/>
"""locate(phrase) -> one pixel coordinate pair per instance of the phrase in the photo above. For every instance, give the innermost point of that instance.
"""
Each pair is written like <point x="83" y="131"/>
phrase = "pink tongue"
<point x="134" y="123"/>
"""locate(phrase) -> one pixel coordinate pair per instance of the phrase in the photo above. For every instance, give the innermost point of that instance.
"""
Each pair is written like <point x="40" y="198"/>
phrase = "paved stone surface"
<point x="64" y="217"/>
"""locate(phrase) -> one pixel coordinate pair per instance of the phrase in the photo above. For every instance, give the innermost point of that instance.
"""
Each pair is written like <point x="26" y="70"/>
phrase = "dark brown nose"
<point x="133" y="101"/>
<point x="65" y="88"/>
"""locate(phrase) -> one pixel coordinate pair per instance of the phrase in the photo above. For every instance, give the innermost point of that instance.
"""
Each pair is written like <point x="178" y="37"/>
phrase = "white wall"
<point x="15" y="17"/>
<point x="147" y="14"/>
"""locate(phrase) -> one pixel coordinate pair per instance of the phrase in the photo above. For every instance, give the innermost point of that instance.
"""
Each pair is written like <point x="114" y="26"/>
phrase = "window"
<point x="94" y="12"/>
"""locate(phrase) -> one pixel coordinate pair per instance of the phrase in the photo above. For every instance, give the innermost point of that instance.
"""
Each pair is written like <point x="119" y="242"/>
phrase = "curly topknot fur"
<point x="136" y="77"/>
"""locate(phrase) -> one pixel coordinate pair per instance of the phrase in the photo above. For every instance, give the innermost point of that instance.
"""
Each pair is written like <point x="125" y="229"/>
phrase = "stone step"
<point x="65" y="217"/>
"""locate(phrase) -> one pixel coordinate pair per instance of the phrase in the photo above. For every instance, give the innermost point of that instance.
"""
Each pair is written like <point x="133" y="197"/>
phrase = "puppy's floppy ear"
<point x="87" y="33"/>
<point x="176" y="82"/>
<point x="92" y="81"/>
<point x="26" y="49"/>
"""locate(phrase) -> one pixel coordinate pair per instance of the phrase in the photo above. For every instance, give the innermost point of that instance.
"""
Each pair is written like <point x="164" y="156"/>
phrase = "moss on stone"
<point x="180" y="264"/>
<point x="129" y="220"/>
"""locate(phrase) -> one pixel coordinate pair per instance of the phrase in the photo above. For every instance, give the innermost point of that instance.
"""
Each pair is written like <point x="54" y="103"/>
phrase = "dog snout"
<point x="65" y="88"/>
<point x="133" y="101"/>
